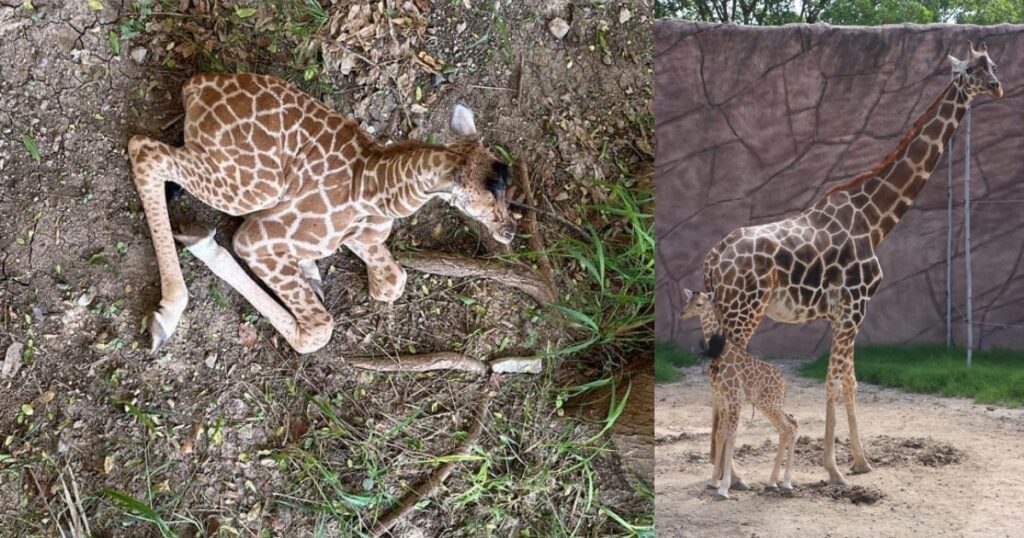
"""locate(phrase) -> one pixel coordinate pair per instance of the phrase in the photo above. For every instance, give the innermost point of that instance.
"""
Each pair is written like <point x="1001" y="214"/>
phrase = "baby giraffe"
<point x="737" y="376"/>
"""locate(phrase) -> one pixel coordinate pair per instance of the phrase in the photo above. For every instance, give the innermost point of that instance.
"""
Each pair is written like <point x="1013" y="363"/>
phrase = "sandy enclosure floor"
<point x="943" y="467"/>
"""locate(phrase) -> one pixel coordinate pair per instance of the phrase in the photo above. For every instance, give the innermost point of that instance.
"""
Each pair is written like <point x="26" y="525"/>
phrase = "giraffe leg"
<point x="718" y="470"/>
<point x="203" y="246"/>
<point x="776" y="420"/>
<point x="730" y="425"/>
<point x="312" y="274"/>
<point x="832" y="386"/>
<point x="152" y="167"/>
<point x="386" y="278"/>
<point x="787" y="481"/>
<point x="154" y="164"/>
<point x="283" y="273"/>
<point x="860" y="461"/>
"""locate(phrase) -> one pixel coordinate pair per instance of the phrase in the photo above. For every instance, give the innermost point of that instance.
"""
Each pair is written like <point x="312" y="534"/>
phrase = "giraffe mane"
<point x="896" y="152"/>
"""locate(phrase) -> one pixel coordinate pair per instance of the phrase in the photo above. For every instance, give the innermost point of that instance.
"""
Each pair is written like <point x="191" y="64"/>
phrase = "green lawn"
<point x="996" y="377"/>
<point x="668" y="359"/>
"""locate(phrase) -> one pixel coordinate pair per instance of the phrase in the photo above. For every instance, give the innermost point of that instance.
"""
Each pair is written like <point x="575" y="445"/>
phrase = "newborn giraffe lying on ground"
<point x="307" y="180"/>
<point x="736" y="376"/>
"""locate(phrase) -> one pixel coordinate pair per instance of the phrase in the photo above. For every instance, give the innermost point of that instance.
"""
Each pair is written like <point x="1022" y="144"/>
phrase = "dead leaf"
<point x="247" y="335"/>
<point x="428" y="62"/>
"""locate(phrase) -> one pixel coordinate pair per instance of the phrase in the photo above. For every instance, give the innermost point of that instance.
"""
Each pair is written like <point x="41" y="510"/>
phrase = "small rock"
<point x="139" y="54"/>
<point x="12" y="360"/>
<point x="558" y="27"/>
<point x="210" y="360"/>
<point x="86" y="298"/>
<point x="461" y="27"/>
<point x="625" y="15"/>
<point x="991" y="408"/>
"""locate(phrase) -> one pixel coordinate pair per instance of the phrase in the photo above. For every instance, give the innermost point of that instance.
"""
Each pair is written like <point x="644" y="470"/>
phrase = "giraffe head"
<point x="696" y="302"/>
<point x="977" y="74"/>
<point x="479" y="181"/>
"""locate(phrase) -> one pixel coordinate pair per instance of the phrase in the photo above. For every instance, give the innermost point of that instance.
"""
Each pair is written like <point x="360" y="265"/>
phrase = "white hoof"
<point x="163" y="322"/>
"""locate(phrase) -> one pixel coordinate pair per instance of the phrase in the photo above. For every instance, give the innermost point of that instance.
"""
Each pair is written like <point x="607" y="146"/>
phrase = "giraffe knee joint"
<point x="387" y="284"/>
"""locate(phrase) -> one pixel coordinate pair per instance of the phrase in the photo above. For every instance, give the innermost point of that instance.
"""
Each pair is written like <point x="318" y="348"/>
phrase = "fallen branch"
<point x="568" y="223"/>
<point x="447" y="360"/>
<point x="429" y="487"/>
<point x="536" y="242"/>
<point x="454" y="265"/>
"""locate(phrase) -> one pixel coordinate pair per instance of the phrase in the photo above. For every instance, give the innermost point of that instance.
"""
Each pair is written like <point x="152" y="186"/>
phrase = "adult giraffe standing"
<point x="821" y="263"/>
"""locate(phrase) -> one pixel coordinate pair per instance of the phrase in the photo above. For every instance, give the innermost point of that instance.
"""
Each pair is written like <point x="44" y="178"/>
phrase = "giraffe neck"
<point x="406" y="175"/>
<point x="709" y="323"/>
<point x="883" y="195"/>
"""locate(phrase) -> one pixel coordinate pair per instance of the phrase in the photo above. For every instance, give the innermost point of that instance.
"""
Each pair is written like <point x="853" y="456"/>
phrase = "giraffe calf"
<point x="736" y="377"/>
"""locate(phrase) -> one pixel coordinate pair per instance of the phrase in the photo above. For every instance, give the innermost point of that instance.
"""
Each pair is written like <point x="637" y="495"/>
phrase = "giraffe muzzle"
<point x="995" y="89"/>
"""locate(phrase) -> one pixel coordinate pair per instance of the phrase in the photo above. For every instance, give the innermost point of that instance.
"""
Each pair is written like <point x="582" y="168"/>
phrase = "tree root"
<point x="429" y="487"/>
<point x="447" y="360"/>
<point x="455" y="265"/>
<point x="444" y="360"/>
<point x="536" y="241"/>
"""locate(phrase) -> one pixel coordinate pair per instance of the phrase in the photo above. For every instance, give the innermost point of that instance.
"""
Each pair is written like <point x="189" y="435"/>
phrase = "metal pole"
<point x="949" y="244"/>
<point x="967" y="236"/>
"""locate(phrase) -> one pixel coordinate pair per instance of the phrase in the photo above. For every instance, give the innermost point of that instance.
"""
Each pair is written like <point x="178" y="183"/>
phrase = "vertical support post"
<point x="949" y="244"/>
<point x="967" y="238"/>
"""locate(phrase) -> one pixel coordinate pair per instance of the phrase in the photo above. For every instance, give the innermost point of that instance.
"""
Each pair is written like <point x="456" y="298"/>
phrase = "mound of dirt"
<point x="883" y="451"/>
<point x="673" y="438"/>
<point x="854" y="494"/>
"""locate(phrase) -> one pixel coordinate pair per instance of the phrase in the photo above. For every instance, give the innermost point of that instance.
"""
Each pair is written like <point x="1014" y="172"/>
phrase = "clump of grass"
<point x="996" y="377"/>
<point x="668" y="359"/>
<point x="614" y="305"/>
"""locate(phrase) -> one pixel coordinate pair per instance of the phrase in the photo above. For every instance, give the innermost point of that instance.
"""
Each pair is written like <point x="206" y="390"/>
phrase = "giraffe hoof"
<point x="770" y="487"/>
<point x="861" y="468"/>
<point x="193" y="235"/>
<point x="739" y="485"/>
<point x="839" y="481"/>
<point x="721" y="496"/>
<point x="157" y="331"/>
<point x="786" y="488"/>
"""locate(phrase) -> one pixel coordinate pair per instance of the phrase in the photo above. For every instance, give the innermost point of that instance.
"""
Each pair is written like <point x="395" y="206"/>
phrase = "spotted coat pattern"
<point x="736" y="377"/>
<point x="821" y="263"/>
<point x="307" y="180"/>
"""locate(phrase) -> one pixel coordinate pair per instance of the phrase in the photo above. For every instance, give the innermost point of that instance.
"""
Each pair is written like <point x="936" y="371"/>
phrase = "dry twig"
<point x="536" y="242"/>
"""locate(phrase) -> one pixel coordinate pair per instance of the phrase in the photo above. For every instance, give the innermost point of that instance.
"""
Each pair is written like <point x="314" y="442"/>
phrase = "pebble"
<point x="558" y="27"/>
<point x="211" y="360"/>
<point x="139" y="54"/>
<point x="625" y="15"/>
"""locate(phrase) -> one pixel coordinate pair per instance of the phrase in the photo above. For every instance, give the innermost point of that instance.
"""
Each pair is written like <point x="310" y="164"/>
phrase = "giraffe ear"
<point x="687" y="294"/>
<point x="711" y="296"/>
<point x="462" y="122"/>
<point x="958" y="65"/>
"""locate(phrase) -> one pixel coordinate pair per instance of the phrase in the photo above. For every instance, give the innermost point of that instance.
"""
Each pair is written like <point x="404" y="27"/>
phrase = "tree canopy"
<point x="844" y="12"/>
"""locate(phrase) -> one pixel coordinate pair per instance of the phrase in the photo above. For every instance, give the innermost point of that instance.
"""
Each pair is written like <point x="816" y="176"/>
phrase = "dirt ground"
<point x="943" y="467"/>
<point x="227" y="430"/>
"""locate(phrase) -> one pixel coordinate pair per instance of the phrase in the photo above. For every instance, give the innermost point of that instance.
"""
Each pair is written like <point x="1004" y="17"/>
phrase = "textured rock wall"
<point x="754" y="123"/>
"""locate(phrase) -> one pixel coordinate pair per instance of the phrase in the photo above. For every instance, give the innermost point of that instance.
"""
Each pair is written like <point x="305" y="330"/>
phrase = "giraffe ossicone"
<point x="306" y="180"/>
<point x="821" y="263"/>
<point x="737" y="377"/>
